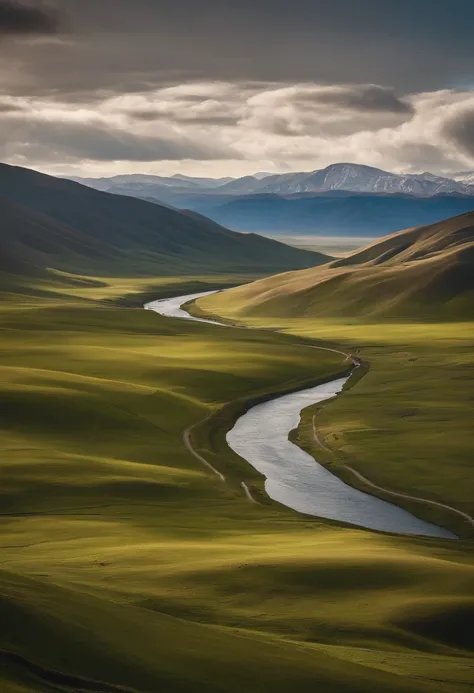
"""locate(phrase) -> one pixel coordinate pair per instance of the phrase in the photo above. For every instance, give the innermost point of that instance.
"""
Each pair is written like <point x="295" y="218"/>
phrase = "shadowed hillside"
<point x="31" y="242"/>
<point x="48" y="222"/>
<point x="422" y="272"/>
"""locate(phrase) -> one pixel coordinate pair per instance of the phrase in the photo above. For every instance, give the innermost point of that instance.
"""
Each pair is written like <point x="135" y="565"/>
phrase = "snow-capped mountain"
<point x="466" y="177"/>
<point x="343" y="177"/>
<point x="349" y="177"/>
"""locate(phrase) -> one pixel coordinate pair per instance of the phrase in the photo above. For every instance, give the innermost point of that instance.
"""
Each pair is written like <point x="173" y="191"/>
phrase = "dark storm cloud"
<point x="192" y="119"/>
<point x="57" y="141"/>
<point x="370" y="98"/>
<point x="20" y="18"/>
<point x="121" y="46"/>
<point x="460" y="128"/>
<point x="151" y="115"/>
<point x="6" y="107"/>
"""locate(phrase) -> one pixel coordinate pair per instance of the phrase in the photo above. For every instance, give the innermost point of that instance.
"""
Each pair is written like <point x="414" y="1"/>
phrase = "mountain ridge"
<point x="303" y="202"/>
<point x="338" y="176"/>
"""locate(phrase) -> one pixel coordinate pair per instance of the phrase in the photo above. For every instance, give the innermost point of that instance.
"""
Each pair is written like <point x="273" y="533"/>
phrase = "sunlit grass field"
<point x="126" y="563"/>
<point x="406" y="425"/>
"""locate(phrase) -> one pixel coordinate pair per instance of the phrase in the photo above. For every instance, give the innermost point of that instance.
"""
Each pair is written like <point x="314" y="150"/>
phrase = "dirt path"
<point x="198" y="456"/>
<point x="187" y="432"/>
<point x="188" y="444"/>
<point x="395" y="494"/>
<point x="317" y="440"/>
<point x="247" y="492"/>
<point x="362" y="478"/>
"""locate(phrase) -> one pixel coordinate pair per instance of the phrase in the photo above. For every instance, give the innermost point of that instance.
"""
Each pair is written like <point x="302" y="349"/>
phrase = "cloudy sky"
<point x="231" y="87"/>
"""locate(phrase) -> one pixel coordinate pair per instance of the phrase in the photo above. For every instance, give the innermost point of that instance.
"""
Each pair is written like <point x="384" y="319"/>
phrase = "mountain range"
<point x="48" y="222"/>
<point x="466" y="177"/>
<point x="344" y="176"/>
<point x="175" y="182"/>
<point x="348" y="177"/>
<point x="342" y="199"/>
<point x="424" y="272"/>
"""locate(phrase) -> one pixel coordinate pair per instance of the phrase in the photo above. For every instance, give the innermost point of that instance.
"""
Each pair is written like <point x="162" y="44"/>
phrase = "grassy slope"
<point x="406" y="425"/>
<point x="125" y="561"/>
<point x="427" y="272"/>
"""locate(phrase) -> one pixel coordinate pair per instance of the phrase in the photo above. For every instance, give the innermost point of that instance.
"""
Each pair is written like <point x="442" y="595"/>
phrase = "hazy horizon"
<point x="251" y="173"/>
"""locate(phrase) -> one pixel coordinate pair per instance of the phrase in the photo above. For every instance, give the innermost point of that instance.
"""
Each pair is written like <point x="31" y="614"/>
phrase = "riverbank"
<point x="406" y="426"/>
<point x="260" y="433"/>
<point x="207" y="438"/>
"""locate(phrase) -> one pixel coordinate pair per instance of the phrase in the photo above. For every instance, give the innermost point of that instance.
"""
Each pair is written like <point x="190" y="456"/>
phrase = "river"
<point x="292" y="476"/>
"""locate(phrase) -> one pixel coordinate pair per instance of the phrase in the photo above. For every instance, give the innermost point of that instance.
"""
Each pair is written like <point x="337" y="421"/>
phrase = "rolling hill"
<point x="49" y="222"/>
<point x="423" y="272"/>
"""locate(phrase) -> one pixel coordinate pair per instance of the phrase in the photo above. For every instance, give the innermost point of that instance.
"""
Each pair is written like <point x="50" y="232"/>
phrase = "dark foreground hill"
<point x="422" y="272"/>
<point x="49" y="222"/>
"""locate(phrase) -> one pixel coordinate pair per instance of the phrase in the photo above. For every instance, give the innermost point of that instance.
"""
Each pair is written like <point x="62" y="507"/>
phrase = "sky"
<point x="232" y="87"/>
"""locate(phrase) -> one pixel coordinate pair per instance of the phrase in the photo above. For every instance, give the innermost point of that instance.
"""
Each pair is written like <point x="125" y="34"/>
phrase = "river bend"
<point x="292" y="476"/>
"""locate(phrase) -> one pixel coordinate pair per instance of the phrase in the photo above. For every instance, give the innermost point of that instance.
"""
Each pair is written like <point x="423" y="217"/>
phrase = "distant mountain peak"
<point x="339" y="176"/>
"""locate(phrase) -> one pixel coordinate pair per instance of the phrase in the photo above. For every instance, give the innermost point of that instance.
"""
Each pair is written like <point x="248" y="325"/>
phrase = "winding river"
<point x="292" y="476"/>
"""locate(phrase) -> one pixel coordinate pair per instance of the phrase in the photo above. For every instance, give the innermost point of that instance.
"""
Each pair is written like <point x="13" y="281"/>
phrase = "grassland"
<point x="406" y="425"/>
<point x="125" y="563"/>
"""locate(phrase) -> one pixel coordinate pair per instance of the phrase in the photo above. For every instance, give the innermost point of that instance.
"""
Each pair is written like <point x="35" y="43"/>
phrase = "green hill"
<point x="48" y="222"/>
<point x="424" y="272"/>
<point x="31" y="242"/>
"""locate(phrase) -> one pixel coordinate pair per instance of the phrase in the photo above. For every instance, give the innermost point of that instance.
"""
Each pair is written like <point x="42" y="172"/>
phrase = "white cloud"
<point x="221" y="128"/>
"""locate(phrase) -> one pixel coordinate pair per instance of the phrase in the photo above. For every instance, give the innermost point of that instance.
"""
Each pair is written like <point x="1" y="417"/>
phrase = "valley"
<point x="236" y="346"/>
<point x="122" y="535"/>
<point x="261" y="437"/>
<point x="397" y="306"/>
<point x="130" y="564"/>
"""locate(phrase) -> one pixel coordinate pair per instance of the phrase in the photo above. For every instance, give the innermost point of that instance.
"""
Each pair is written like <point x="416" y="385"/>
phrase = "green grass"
<point x="406" y="424"/>
<point x="125" y="561"/>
